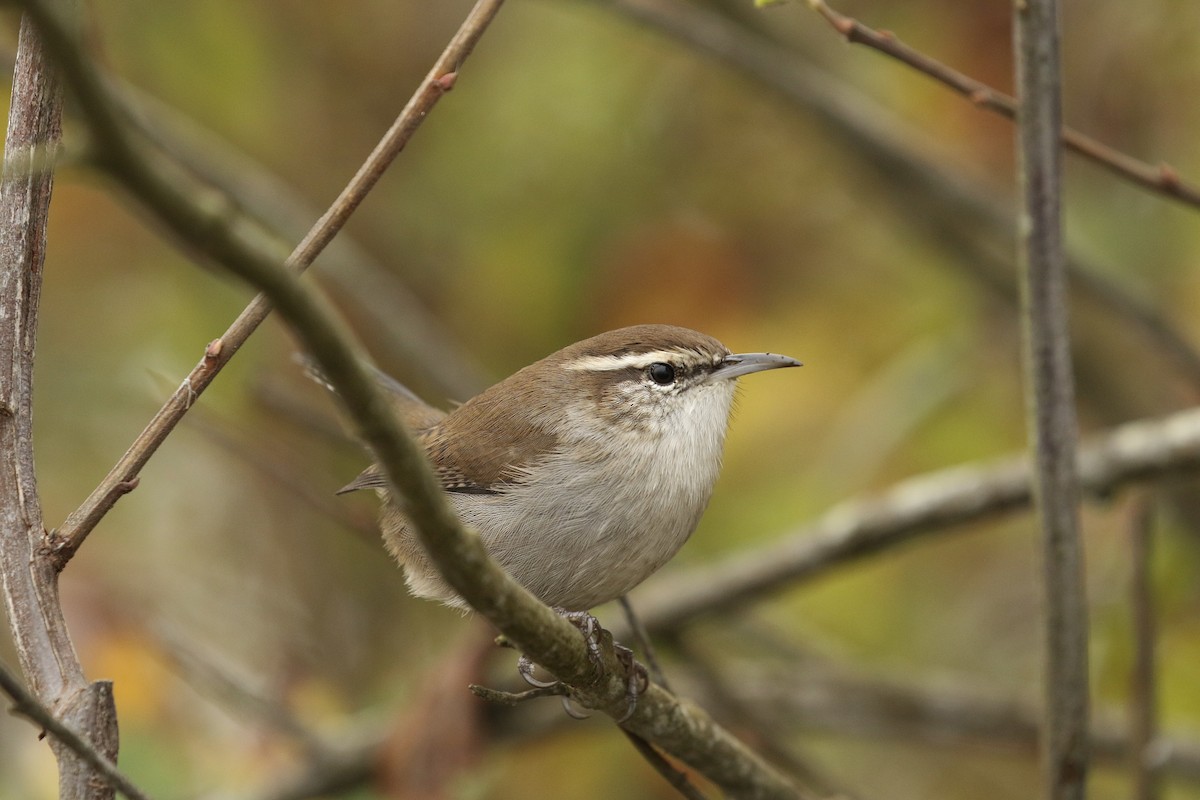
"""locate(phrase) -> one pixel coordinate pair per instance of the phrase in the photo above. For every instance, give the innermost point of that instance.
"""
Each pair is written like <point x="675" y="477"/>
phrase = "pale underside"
<point x="581" y="529"/>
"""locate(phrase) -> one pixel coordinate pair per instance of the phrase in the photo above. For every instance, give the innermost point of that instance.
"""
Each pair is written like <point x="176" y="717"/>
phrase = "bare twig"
<point x="339" y="771"/>
<point x="25" y="704"/>
<point x="926" y="505"/>
<point x="70" y="535"/>
<point x="231" y="691"/>
<point x="279" y="470"/>
<point x="1145" y="754"/>
<point x="834" y="699"/>
<point x="678" y="728"/>
<point x="408" y="333"/>
<point x="504" y="698"/>
<point x="642" y="638"/>
<point x="811" y="696"/>
<point x="1162" y="179"/>
<point x="765" y="731"/>
<point x="952" y="210"/>
<point x="1050" y="400"/>
<point x="678" y="780"/>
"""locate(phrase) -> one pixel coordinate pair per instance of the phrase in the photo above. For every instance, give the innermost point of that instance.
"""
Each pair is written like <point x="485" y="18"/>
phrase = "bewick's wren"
<point x="583" y="472"/>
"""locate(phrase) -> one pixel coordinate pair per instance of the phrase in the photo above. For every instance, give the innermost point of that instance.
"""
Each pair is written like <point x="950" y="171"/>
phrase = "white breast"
<point x="611" y="507"/>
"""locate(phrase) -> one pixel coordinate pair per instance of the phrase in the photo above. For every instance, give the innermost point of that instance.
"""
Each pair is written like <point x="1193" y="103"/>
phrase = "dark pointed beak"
<point x="739" y="364"/>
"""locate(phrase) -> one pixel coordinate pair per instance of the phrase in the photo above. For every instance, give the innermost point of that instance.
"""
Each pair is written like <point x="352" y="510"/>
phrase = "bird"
<point x="584" y="472"/>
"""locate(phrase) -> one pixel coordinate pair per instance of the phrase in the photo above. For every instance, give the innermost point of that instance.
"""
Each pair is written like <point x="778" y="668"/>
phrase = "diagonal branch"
<point x="408" y="331"/>
<point x="834" y="699"/>
<point x="678" y="780"/>
<point x="25" y="704"/>
<point x="935" y="503"/>
<point x="951" y="210"/>
<point x="679" y="728"/>
<point x="68" y="537"/>
<point x="1162" y="179"/>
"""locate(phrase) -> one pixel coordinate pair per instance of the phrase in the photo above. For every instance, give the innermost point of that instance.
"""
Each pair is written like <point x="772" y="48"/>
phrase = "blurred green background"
<point x="587" y="173"/>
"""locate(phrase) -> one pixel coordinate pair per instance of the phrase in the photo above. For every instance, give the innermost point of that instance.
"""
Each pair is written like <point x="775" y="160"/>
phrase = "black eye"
<point x="660" y="373"/>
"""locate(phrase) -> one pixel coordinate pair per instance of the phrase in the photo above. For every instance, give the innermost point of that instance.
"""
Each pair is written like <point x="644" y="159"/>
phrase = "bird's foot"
<point x="589" y="626"/>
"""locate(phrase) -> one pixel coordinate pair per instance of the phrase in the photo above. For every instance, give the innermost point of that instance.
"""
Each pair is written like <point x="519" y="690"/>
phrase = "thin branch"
<point x="25" y="704"/>
<point x="953" y="211"/>
<point x="809" y="695"/>
<point x="642" y="638"/>
<point x="1143" y="695"/>
<point x="833" y="699"/>
<point x="231" y="691"/>
<point x="1050" y="399"/>
<point x="66" y="540"/>
<point x="407" y="332"/>
<point x="340" y="770"/>
<point x="768" y="735"/>
<point x="1162" y="179"/>
<point x="678" y="728"/>
<point x="679" y="780"/>
<point x="331" y="765"/>
<point x="505" y="698"/>
<point x="926" y="505"/>
<point x="273" y="463"/>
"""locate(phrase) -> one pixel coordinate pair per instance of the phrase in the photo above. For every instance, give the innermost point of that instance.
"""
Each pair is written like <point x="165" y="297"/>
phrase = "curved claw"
<point x="525" y="670"/>
<point x="573" y="712"/>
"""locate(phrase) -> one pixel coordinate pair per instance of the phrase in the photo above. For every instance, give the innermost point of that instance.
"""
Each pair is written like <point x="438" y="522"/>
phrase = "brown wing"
<point x="483" y="445"/>
<point x="487" y="444"/>
<point x="462" y="468"/>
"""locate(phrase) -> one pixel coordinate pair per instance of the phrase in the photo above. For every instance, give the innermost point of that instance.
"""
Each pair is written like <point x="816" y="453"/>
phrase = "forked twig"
<point x="938" y="200"/>
<point x="680" y="729"/>
<point x="504" y="698"/>
<point x="29" y="584"/>
<point x="926" y="505"/>
<point x="642" y="637"/>
<point x="1162" y="179"/>
<point x="67" y="538"/>
<point x="25" y="704"/>
<point x="678" y="780"/>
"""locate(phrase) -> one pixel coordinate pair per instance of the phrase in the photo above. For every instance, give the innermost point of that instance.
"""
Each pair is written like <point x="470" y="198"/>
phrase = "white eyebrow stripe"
<point x="627" y="361"/>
